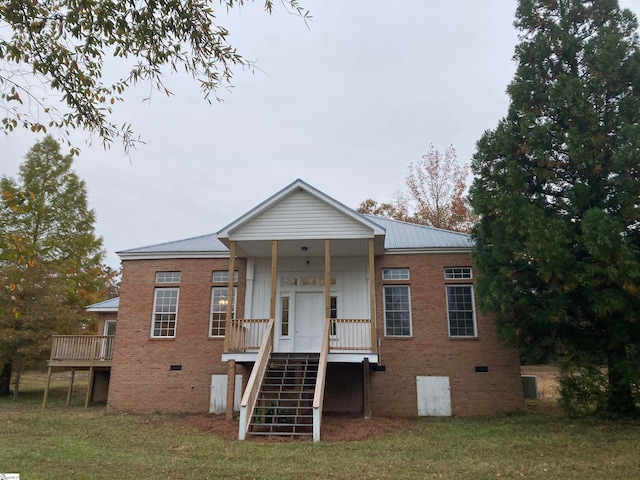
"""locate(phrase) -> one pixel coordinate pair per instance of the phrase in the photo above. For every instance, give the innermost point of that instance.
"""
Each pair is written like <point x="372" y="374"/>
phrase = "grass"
<point x="74" y="443"/>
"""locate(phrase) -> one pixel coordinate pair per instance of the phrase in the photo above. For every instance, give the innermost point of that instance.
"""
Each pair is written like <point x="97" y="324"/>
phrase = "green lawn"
<point x="71" y="442"/>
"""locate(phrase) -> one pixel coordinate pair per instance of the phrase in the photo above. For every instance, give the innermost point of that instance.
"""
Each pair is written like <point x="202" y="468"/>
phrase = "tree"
<point x="64" y="271"/>
<point x="556" y="188"/>
<point x="434" y="196"/>
<point x="58" y="48"/>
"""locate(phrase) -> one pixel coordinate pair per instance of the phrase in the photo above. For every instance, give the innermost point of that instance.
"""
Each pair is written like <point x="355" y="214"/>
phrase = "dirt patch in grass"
<point x="335" y="428"/>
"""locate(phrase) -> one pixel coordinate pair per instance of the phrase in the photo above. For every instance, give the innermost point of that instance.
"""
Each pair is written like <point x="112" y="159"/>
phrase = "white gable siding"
<point x="301" y="216"/>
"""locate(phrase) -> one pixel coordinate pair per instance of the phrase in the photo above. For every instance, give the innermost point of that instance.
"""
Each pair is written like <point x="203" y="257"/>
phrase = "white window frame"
<point x="395" y="274"/>
<point x="222" y="276"/>
<point x="458" y="273"/>
<point x="168" y="277"/>
<point x="159" y="312"/>
<point x="289" y="300"/>
<point x="107" y="324"/>
<point x="473" y="310"/>
<point x="384" y="301"/>
<point x="212" y="311"/>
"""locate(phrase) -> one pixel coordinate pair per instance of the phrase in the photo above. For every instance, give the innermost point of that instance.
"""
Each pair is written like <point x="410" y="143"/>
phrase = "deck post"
<point x="46" y="389"/>
<point x="89" y="388"/>
<point x="231" y="388"/>
<point x="73" y="373"/>
<point x="367" y="388"/>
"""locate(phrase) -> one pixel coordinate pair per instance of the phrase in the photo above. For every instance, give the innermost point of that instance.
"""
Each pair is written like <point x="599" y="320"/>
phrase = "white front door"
<point x="308" y="321"/>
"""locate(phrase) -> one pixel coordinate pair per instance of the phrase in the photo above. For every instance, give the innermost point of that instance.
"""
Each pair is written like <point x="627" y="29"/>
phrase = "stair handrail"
<point x="248" y="402"/>
<point x="318" y="397"/>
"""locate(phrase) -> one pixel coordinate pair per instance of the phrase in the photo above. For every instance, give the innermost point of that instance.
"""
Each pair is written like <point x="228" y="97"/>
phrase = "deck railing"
<point x="82" y="347"/>
<point x="246" y="334"/>
<point x="255" y="381"/>
<point x="350" y="334"/>
<point x="318" y="396"/>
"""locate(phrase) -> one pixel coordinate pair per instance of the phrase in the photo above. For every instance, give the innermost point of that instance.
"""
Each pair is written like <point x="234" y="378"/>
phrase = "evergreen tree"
<point x="47" y="293"/>
<point x="557" y="189"/>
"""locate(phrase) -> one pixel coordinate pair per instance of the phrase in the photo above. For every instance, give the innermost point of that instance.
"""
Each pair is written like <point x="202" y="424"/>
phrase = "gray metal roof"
<point x="110" y="305"/>
<point x="204" y="243"/>
<point x="403" y="235"/>
<point x="399" y="236"/>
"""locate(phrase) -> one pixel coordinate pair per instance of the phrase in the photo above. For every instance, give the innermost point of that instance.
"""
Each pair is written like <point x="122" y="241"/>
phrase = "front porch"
<point x="350" y="340"/>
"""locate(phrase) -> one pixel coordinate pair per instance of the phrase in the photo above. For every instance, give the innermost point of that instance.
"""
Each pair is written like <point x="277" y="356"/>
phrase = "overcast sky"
<point x="346" y="104"/>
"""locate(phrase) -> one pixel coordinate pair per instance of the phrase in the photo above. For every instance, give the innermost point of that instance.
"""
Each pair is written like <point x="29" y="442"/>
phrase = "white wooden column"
<point x="327" y="279"/>
<point x="372" y="296"/>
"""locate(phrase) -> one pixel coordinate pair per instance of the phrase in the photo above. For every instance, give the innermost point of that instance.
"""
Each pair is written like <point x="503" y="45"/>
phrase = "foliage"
<point x="55" y="269"/>
<point x="556" y="187"/>
<point x="434" y="197"/>
<point x="65" y="51"/>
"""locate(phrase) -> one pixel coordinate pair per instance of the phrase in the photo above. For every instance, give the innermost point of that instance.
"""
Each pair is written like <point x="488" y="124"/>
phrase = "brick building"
<point x="303" y="306"/>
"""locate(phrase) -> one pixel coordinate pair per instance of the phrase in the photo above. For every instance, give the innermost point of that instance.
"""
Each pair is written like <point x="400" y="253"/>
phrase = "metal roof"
<point x="207" y="244"/>
<point x="399" y="236"/>
<point x="410" y="236"/>
<point x="110" y="305"/>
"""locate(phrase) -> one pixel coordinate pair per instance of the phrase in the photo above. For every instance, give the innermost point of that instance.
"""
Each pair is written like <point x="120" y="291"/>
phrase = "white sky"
<point x="346" y="104"/>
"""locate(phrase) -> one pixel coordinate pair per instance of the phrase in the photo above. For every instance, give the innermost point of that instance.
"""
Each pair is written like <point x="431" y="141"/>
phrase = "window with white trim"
<point x="397" y="311"/>
<point x="457" y="272"/>
<point x="165" y="312"/>
<point x="461" y="311"/>
<point x="168" y="277"/>
<point x="222" y="276"/>
<point x="285" y="301"/>
<point x="395" y="274"/>
<point x="218" y="318"/>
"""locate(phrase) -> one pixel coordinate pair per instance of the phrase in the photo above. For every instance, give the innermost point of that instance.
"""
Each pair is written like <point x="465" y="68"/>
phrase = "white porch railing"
<point x="350" y="334"/>
<point x="248" y="402"/>
<point x="246" y="334"/>
<point x="346" y="334"/>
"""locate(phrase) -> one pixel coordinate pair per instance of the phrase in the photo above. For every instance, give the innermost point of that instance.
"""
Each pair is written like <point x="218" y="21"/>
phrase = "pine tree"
<point x="47" y="293"/>
<point x="557" y="190"/>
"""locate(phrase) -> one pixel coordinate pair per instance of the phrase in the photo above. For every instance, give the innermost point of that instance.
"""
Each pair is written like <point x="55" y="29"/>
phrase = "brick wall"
<point x="141" y="378"/>
<point x="430" y="351"/>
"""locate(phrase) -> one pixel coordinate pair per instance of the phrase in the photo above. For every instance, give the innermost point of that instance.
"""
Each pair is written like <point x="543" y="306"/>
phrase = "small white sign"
<point x="9" y="476"/>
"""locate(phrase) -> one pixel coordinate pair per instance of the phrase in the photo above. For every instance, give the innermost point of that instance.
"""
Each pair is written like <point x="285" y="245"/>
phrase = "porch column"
<point x="231" y="388"/>
<point x="229" y="313"/>
<point x="274" y="278"/>
<point x="366" y="388"/>
<point x="327" y="279"/>
<point x="372" y="296"/>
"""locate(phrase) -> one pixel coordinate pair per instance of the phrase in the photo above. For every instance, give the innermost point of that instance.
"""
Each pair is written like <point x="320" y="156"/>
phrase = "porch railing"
<point x="350" y="334"/>
<point x="255" y="380"/>
<point x="246" y="334"/>
<point x="82" y="347"/>
<point x="318" y="396"/>
<point x="346" y="334"/>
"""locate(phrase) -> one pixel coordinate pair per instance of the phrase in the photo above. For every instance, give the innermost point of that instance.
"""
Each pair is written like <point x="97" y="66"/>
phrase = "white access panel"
<point x="218" y="401"/>
<point x="434" y="396"/>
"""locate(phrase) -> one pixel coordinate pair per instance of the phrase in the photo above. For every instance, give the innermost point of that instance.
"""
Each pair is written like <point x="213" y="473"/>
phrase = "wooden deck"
<point x="81" y="351"/>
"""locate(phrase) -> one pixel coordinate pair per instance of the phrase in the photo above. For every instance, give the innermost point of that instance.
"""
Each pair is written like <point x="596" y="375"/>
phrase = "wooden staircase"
<point x="285" y="401"/>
